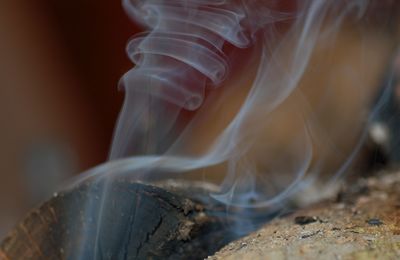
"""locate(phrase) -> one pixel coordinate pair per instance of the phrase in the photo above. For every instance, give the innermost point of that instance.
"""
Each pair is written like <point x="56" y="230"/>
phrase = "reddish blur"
<point x="59" y="68"/>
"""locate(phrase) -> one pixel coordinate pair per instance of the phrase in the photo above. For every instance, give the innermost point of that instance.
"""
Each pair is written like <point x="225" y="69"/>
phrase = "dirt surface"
<point x="363" y="222"/>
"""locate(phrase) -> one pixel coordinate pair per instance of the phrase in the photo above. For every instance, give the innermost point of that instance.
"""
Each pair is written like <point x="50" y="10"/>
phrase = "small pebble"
<point x="374" y="222"/>
<point x="304" y="220"/>
<point x="308" y="234"/>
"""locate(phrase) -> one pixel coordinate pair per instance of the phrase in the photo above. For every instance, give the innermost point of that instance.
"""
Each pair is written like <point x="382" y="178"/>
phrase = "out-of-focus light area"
<point x="59" y="68"/>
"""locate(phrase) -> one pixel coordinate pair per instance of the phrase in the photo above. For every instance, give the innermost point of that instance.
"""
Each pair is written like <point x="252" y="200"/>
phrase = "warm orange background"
<point x="60" y="62"/>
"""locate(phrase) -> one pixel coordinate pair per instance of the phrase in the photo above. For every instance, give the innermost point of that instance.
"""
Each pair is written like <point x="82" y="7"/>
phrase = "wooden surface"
<point x="149" y="222"/>
<point x="363" y="222"/>
<point x="140" y="222"/>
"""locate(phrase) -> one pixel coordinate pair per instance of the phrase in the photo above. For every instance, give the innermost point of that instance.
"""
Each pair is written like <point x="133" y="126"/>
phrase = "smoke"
<point x="237" y="67"/>
<point x="183" y="54"/>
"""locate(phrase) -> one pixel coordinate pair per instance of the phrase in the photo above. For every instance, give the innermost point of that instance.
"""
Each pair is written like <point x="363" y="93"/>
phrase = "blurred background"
<point x="59" y="68"/>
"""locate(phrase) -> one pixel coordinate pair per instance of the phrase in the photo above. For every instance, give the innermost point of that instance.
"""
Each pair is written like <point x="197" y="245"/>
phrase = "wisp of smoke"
<point x="194" y="56"/>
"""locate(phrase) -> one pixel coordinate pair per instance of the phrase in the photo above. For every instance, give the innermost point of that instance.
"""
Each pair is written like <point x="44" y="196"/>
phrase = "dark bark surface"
<point x="138" y="222"/>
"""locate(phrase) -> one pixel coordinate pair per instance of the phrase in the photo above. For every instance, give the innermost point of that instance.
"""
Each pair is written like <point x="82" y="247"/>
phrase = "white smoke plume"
<point x="194" y="56"/>
<point x="183" y="54"/>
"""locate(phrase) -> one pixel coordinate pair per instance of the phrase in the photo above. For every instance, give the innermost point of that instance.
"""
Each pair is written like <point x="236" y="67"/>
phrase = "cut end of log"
<point x="139" y="222"/>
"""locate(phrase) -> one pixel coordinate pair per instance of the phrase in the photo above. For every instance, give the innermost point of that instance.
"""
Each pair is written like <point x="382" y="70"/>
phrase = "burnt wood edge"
<point x="139" y="221"/>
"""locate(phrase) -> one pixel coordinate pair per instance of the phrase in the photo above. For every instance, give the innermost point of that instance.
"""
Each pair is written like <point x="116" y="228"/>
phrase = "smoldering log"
<point x="140" y="222"/>
<point x="361" y="222"/>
